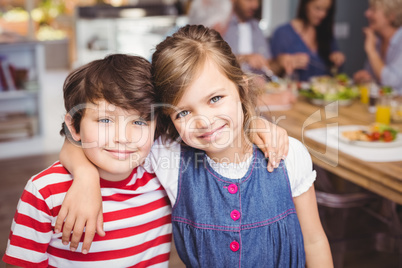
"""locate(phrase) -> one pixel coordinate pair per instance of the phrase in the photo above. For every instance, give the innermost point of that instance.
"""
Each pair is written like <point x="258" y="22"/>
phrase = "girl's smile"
<point x="212" y="135"/>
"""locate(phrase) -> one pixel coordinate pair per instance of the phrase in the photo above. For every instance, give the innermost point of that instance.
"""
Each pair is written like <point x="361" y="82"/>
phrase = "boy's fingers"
<point x="60" y="220"/>
<point x="286" y="150"/>
<point x="89" y="236"/>
<point x="77" y="234"/>
<point x="99" y="225"/>
<point x="271" y="159"/>
<point x="270" y="168"/>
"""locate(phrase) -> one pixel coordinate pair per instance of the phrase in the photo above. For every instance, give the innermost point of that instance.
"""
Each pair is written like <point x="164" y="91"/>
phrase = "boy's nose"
<point x="120" y="135"/>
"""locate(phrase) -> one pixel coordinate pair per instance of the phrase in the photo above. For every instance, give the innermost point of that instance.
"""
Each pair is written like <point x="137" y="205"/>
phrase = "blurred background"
<point x="42" y="40"/>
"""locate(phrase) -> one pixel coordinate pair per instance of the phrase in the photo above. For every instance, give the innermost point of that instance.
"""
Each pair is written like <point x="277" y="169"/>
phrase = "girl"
<point x="309" y="37"/>
<point x="227" y="209"/>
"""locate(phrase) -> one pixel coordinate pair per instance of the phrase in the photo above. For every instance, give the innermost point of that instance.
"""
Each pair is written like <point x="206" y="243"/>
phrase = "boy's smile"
<point x="114" y="140"/>
<point x="209" y="115"/>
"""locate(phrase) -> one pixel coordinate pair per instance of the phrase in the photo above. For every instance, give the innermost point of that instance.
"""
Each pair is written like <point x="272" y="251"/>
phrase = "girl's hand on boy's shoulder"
<point x="273" y="141"/>
<point x="82" y="207"/>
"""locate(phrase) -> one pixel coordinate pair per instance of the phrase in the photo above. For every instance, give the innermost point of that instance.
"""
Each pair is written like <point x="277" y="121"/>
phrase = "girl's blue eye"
<point x="140" y="123"/>
<point x="216" y="99"/>
<point x="182" y="114"/>
<point x="104" y="120"/>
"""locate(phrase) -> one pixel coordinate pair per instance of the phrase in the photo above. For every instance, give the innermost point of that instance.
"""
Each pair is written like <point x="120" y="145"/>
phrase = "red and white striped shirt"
<point x="137" y="222"/>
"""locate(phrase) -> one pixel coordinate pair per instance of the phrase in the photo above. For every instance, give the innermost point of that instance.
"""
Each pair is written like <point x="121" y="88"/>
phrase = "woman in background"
<point x="309" y="37"/>
<point x="383" y="44"/>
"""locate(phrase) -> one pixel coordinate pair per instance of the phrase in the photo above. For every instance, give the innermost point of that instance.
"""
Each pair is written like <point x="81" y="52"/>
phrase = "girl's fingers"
<point x="60" y="220"/>
<point x="99" y="225"/>
<point x="77" y="233"/>
<point x="89" y="236"/>
<point x="67" y="228"/>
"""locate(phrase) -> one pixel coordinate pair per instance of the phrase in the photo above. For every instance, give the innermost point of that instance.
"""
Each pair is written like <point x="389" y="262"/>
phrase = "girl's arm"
<point x="316" y="245"/>
<point x="82" y="205"/>
<point x="272" y="140"/>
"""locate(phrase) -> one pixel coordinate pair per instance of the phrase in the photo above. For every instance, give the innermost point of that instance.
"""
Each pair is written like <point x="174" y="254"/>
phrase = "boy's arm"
<point x="318" y="252"/>
<point x="272" y="140"/>
<point x="82" y="205"/>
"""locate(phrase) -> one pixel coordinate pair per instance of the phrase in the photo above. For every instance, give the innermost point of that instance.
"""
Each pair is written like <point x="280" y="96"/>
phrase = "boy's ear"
<point x="68" y="122"/>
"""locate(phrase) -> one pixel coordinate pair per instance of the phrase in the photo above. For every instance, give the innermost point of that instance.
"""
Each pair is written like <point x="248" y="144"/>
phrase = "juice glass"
<point x="383" y="111"/>
<point x="364" y="93"/>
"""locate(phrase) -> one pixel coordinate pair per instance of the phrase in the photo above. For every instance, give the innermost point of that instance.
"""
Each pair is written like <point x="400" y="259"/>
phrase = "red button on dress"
<point x="235" y="215"/>
<point x="232" y="188"/>
<point x="234" y="246"/>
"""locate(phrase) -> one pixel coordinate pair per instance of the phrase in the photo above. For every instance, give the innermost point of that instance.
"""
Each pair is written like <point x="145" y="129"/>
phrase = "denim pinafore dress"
<point x="247" y="222"/>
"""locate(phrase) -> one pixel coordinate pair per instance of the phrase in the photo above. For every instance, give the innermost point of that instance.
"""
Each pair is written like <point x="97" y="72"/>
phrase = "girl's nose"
<point x="201" y="122"/>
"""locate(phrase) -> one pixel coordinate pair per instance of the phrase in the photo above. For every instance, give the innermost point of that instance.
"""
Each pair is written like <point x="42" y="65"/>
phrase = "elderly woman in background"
<point x="383" y="44"/>
<point x="309" y="37"/>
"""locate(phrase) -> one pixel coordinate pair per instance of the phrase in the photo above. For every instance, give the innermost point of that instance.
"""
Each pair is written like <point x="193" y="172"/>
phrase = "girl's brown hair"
<point x="178" y="60"/>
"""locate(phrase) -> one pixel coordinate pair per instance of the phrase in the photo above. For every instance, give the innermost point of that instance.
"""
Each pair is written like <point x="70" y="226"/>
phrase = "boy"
<point x="109" y="112"/>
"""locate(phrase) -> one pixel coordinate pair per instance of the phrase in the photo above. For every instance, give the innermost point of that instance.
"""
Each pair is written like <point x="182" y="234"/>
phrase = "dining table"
<point x="383" y="178"/>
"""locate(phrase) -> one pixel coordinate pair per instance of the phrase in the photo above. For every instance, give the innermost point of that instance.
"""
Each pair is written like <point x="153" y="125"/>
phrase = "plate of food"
<point x="326" y="89"/>
<point x="376" y="136"/>
<point x="275" y="87"/>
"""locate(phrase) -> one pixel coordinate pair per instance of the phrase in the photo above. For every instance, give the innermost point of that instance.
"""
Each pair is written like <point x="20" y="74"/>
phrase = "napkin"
<point x="381" y="152"/>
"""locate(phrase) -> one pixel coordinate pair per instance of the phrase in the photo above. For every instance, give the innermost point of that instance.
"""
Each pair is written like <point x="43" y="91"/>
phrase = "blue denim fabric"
<point x="268" y="231"/>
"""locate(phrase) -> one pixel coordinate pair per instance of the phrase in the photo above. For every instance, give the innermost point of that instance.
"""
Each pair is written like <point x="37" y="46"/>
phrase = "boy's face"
<point x="115" y="140"/>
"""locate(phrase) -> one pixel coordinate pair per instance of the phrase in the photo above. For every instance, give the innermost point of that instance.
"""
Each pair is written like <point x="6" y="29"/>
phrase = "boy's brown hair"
<point x="121" y="80"/>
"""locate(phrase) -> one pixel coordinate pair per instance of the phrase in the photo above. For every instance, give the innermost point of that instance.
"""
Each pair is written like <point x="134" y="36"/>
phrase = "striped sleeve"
<point x="31" y="230"/>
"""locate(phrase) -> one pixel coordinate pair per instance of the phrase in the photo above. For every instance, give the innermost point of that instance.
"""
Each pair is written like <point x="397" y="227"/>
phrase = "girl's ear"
<point x="68" y="122"/>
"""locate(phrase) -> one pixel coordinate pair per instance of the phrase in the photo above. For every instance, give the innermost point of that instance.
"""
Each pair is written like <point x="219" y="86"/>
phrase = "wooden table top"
<point x="382" y="178"/>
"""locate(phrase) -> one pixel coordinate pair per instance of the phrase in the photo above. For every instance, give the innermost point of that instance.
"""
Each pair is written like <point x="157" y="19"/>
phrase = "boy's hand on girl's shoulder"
<point x="273" y="141"/>
<point x="79" y="212"/>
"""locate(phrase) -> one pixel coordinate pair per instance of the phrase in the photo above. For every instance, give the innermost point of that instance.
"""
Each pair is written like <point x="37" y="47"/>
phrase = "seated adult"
<point x="383" y="44"/>
<point x="310" y="39"/>
<point x="249" y="44"/>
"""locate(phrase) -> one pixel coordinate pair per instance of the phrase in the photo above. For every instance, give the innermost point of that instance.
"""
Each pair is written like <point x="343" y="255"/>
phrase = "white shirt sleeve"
<point x="164" y="161"/>
<point x="300" y="168"/>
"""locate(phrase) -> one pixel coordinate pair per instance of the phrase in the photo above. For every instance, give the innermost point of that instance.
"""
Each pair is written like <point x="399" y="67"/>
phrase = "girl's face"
<point x="317" y="10"/>
<point x="209" y="115"/>
<point x="376" y="18"/>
